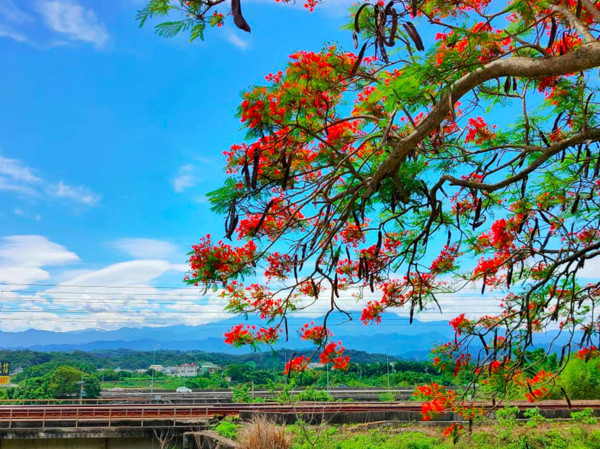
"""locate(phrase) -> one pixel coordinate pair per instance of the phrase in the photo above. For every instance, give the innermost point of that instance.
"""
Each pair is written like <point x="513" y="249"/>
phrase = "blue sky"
<point x="110" y="137"/>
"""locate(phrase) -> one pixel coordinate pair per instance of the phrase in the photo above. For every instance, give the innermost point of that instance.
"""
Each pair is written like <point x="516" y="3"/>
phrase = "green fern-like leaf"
<point x="197" y="32"/>
<point x="171" y="29"/>
<point x="153" y="8"/>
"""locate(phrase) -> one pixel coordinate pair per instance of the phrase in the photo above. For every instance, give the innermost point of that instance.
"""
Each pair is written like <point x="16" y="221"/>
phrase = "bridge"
<point x="135" y="425"/>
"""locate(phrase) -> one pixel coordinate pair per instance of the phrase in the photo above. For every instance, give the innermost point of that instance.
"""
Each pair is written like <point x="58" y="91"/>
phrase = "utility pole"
<point x="327" y="366"/>
<point x="81" y="390"/>
<point x="153" y="369"/>
<point x="387" y="366"/>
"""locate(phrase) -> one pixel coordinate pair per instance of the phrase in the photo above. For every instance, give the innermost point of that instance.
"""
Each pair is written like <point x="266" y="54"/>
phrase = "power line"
<point x="195" y="312"/>
<point x="97" y="286"/>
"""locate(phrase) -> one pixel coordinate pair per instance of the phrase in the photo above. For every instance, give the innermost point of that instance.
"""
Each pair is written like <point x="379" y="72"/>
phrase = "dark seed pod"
<point x="553" y="29"/>
<point x="255" y="169"/>
<point x="238" y="19"/>
<point x="414" y="35"/>
<point x="359" y="59"/>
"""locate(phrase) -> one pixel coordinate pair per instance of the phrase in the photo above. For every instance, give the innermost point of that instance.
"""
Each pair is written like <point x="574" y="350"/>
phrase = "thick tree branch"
<point x="583" y="58"/>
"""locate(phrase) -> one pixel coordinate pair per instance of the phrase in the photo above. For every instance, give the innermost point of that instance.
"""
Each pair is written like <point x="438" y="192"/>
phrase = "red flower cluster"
<point x="333" y="354"/>
<point x="280" y="265"/>
<point x="445" y="261"/>
<point x="296" y="364"/>
<point x="241" y="335"/>
<point x="439" y="400"/>
<point x="459" y="323"/>
<point x="316" y="334"/>
<point x="352" y="235"/>
<point x="254" y="298"/>
<point x="537" y="393"/>
<point x="218" y="264"/>
<point x="372" y="313"/>
<point x="588" y="353"/>
<point x="453" y="430"/>
<point x="478" y="131"/>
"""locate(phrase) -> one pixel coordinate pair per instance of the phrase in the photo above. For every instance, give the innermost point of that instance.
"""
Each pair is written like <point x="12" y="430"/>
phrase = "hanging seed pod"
<point x="302" y="256"/>
<point x="507" y="85"/>
<point x="296" y="267"/>
<point x="553" y="29"/>
<point x="255" y="169"/>
<point x="335" y="286"/>
<point x="246" y="172"/>
<point x="414" y="35"/>
<point x="315" y="288"/>
<point x="557" y="121"/>
<point x="263" y="217"/>
<point x="483" y="344"/>
<point x="238" y="19"/>
<point x="359" y="59"/>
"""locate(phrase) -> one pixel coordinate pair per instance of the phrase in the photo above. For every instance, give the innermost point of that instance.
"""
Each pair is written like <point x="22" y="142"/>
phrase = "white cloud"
<point x="135" y="272"/>
<point x="18" y="178"/>
<point x="22" y="258"/>
<point x="147" y="248"/>
<point x="591" y="269"/>
<point x="186" y="178"/>
<point x="236" y="40"/>
<point x="79" y="194"/>
<point x="11" y="13"/>
<point x="73" y="20"/>
<point x="6" y="185"/>
<point x="111" y="297"/>
<point x="17" y="171"/>
<point x="13" y="35"/>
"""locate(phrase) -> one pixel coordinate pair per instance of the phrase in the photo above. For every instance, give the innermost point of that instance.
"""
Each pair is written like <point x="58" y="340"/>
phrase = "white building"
<point x="187" y="370"/>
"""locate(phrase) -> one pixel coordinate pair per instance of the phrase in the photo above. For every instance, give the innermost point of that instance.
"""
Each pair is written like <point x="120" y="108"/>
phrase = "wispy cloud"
<point x="16" y="170"/>
<point x="12" y="35"/>
<point x="18" y="178"/>
<point x="186" y="178"/>
<point x="147" y="248"/>
<point x="79" y="194"/>
<point x="11" y="13"/>
<point x="74" y="21"/>
<point x="65" y="19"/>
<point x="236" y="40"/>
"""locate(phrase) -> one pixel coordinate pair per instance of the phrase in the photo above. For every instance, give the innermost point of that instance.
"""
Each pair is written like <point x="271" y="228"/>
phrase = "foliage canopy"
<point x="420" y="167"/>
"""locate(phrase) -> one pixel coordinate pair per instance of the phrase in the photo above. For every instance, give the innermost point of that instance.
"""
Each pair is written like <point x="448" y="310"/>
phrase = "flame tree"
<point x="458" y="147"/>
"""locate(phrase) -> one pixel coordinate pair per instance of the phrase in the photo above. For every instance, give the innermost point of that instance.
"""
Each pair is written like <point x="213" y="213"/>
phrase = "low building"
<point x="207" y="367"/>
<point x="187" y="370"/>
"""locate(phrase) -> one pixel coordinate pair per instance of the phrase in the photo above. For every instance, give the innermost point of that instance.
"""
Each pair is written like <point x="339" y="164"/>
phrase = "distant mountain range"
<point x="395" y="337"/>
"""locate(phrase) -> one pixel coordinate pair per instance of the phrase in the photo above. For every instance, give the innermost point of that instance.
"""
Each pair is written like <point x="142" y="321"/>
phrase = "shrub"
<point x="533" y="417"/>
<point x="585" y="416"/>
<point x="242" y="394"/>
<point x="312" y="395"/>
<point x="228" y="428"/>
<point x="507" y="416"/>
<point x="387" y="397"/>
